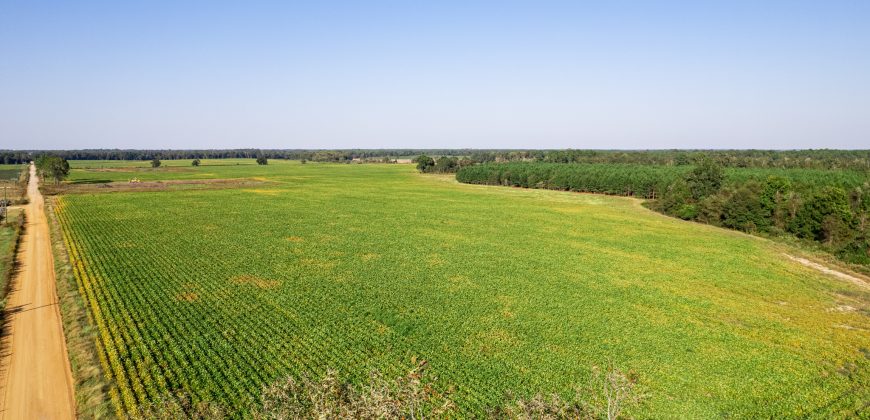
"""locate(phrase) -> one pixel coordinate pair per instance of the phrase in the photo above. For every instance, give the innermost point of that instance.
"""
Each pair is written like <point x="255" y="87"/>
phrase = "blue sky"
<point x="501" y="74"/>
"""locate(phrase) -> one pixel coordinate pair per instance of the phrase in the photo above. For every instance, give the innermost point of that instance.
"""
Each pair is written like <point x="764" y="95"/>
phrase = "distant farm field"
<point x="10" y="172"/>
<point x="358" y="267"/>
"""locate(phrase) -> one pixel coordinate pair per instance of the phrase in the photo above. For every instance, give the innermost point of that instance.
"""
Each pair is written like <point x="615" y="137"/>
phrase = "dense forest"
<point x="827" y="207"/>
<point x="808" y="159"/>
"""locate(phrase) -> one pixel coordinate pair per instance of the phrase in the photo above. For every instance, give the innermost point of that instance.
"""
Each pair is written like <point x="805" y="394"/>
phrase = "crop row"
<point x="163" y="331"/>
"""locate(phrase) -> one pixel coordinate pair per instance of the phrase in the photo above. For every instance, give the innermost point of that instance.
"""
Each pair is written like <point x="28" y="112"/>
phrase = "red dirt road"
<point x="36" y="378"/>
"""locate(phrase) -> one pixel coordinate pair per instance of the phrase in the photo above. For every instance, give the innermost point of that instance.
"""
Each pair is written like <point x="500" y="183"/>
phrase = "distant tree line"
<point x="807" y="159"/>
<point x="340" y="156"/>
<point x="829" y="207"/>
<point x="647" y="181"/>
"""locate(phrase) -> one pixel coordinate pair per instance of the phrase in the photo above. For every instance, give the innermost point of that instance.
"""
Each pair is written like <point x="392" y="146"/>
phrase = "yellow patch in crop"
<point x="434" y="260"/>
<point x="265" y="192"/>
<point x="256" y="281"/>
<point x="295" y="239"/>
<point x="458" y="282"/>
<point x="370" y="256"/>
<point x="188" y="297"/>
<point x="317" y="263"/>
<point x="507" y="303"/>
<point x="381" y="328"/>
<point x="492" y="341"/>
<point x="325" y="238"/>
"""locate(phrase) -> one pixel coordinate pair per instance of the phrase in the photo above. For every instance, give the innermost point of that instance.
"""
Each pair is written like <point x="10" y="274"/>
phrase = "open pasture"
<point x="356" y="267"/>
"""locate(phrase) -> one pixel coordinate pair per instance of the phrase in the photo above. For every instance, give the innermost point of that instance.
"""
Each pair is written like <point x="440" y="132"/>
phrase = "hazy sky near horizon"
<point x="451" y="74"/>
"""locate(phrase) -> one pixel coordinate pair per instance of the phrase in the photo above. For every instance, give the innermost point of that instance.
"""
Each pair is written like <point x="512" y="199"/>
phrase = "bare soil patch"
<point x="36" y="376"/>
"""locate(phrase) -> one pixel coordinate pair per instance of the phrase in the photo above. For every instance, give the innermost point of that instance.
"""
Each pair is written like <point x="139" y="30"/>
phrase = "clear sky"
<point x="500" y="74"/>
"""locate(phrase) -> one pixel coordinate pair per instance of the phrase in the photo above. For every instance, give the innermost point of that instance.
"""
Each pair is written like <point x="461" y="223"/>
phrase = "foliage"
<point x="11" y="231"/>
<point x="56" y="168"/>
<point x="742" y="209"/>
<point x="824" y="215"/>
<point x="607" y="395"/>
<point x="412" y="396"/>
<point x="446" y="164"/>
<point x="155" y="163"/>
<point x="356" y="267"/>
<point x="443" y="165"/>
<point x="631" y="180"/>
<point x="424" y="163"/>
<point x="195" y="162"/>
<point x="262" y="160"/>
<point x="180" y="407"/>
<point x="807" y="159"/>
<point x="705" y="179"/>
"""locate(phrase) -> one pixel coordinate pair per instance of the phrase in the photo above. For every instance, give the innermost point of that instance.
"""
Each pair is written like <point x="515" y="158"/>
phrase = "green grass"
<point x="359" y="267"/>
<point x="9" y="172"/>
<point x="7" y="235"/>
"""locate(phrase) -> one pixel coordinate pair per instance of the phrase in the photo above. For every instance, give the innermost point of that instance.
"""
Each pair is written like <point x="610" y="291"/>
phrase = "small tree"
<point x="424" y="163"/>
<point x="446" y="164"/>
<point x="155" y="163"/>
<point x="195" y="162"/>
<point x="261" y="160"/>
<point x="53" y="167"/>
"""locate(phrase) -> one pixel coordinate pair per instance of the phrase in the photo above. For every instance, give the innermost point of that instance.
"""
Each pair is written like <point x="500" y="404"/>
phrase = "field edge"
<point x="90" y="382"/>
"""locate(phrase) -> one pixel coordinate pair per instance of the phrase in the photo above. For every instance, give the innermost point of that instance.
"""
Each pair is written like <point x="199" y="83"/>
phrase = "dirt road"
<point x="36" y="379"/>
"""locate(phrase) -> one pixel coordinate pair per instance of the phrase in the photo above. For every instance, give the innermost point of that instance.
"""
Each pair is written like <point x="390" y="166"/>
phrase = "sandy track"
<point x="838" y="274"/>
<point x="36" y="378"/>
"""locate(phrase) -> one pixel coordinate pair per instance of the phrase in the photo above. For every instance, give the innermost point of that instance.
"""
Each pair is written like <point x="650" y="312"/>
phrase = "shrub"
<point x="606" y="396"/>
<point x="410" y="396"/>
<point x="687" y="212"/>
<point x="424" y="163"/>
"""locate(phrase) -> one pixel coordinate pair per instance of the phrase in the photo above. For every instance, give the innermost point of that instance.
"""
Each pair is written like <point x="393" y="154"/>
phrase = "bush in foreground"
<point x="412" y="396"/>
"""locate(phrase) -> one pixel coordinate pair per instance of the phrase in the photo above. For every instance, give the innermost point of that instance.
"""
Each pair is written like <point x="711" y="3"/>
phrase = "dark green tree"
<point x="705" y="179"/>
<point x="54" y="167"/>
<point x="743" y="210"/>
<point x="774" y="200"/>
<point x="155" y="163"/>
<point x="195" y="162"/>
<point x="824" y="217"/>
<point x="446" y="164"/>
<point x="261" y="160"/>
<point x="424" y="163"/>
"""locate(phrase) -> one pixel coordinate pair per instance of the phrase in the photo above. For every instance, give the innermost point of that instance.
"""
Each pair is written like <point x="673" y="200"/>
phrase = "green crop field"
<point x="357" y="267"/>
<point x="9" y="172"/>
<point x="89" y="171"/>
